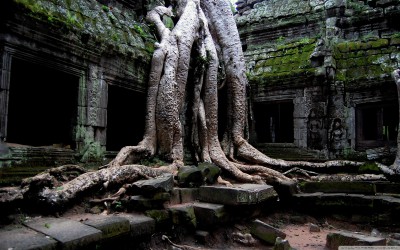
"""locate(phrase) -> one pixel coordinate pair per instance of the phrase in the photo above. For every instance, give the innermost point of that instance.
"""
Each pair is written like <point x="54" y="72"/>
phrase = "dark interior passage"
<point x="377" y="124"/>
<point x="125" y="117"/>
<point x="274" y="122"/>
<point x="42" y="105"/>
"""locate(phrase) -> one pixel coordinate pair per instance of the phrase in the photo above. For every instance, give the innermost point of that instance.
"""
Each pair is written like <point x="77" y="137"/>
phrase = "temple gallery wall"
<point x="74" y="74"/>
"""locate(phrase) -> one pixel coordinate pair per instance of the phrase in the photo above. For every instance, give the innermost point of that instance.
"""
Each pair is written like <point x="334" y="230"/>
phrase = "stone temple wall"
<point x="331" y="59"/>
<point x="101" y="43"/>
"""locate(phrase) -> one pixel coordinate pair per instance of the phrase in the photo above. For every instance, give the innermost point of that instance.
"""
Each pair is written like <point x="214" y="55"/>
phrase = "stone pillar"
<point x="92" y="117"/>
<point x="300" y="114"/>
<point x="5" y="72"/>
<point x="338" y="113"/>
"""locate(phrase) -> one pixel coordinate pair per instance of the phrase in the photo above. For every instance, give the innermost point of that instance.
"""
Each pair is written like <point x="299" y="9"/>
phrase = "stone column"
<point x="5" y="72"/>
<point x="92" y="121"/>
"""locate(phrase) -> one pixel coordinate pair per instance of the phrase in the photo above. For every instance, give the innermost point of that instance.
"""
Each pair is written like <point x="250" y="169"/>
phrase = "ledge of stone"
<point x="237" y="195"/>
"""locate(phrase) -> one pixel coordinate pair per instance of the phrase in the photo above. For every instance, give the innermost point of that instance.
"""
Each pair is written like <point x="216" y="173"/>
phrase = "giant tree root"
<point x="43" y="188"/>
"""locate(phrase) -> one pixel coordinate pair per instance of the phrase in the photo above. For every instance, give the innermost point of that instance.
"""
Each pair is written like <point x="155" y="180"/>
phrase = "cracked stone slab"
<point x="342" y="238"/>
<point x="111" y="226"/>
<point x="25" y="238"/>
<point x="208" y="214"/>
<point x="238" y="194"/>
<point x="140" y="224"/>
<point x="71" y="234"/>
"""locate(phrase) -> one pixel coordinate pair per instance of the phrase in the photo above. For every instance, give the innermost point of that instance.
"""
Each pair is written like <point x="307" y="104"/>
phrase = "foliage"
<point x="153" y="161"/>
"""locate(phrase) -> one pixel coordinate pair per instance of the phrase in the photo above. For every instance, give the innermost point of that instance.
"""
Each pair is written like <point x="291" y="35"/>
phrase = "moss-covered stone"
<point x="283" y="60"/>
<point x="118" y="29"/>
<point x="160" y="216"/>
<point x="183" y="215"/>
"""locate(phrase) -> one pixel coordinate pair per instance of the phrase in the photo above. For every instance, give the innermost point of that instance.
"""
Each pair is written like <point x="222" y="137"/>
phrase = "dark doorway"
<point x="42" y="105"/>
<point x="125" y="117"/>
<point x="377" y="124"/>
<point x="274" y="122"/>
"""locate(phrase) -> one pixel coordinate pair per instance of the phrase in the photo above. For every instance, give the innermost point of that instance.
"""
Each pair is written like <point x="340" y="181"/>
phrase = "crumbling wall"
<point x="325" y="56"/>
<point x="101" y="42"/>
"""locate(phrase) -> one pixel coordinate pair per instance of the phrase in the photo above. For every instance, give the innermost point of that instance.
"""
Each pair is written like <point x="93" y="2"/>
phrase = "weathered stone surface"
<point x="208" y="214"/>
<point x="265" y="232"/>
<point x="281" y="244"/>
<point x="190" y="176"/>
<point x="339" y="187"/>
<point x="237" y="195"/>
<point x="393" y="242"/>
<point x="71" y="234"/>
<point x="140" y="225"/>
<point x="164" y="183"/>
<point x="314" y="228"/>
<point x="334" y="240"/>
<point x="161" y="217"/>
<point x="139" y="202"/>
<point x="210" y="172"/>
<point x="203" y="237"/>
<point x="24" y="238"/>
<point x="183" y="215"/>
<point x="183" y="195"/>
<point x="111" y="226"/>
<point x="338" y="202"/>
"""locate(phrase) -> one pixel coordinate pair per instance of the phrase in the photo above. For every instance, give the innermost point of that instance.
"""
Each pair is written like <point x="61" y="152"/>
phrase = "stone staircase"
<point x="287" y="151"/>
<point x="375" y="202"/>
<point x="158" y="206"/>
<point x="204" y="207"/>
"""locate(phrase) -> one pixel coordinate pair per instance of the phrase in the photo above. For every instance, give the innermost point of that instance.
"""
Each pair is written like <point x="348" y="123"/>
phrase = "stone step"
<point x="342" y="238"/>
<point x="357" y="187"/>
<point x="83" y="231"/>
<point x="351" y="187"/>
<point x="376" y="209"/>
<point x="238" y="194"/>
<point x="210" y="215"/>
<point x="286" y="151"/>
<point x="12" y="237"/>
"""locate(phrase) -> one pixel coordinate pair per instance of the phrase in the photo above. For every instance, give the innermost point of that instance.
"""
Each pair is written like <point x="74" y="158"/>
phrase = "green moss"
<point x="395" y="41"/>
<point x="341" y="47"/>
<point x="370" y="168"/>
<point x="105" y="8"/>
<point x="340" y="75"/>
<point x="379" y="43"/>
<point x="288" y="59"/>
<point x="153" y="161"/>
